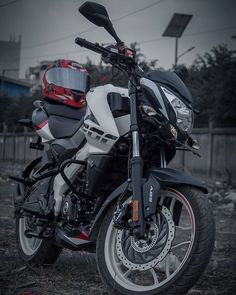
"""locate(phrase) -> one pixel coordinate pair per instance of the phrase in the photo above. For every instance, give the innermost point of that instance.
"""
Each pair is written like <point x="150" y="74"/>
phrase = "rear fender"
<point x="166" y="177"/>
<point x="29" y="167"/>
<point x="19" y="195"/>
<point x="20" y="189"/>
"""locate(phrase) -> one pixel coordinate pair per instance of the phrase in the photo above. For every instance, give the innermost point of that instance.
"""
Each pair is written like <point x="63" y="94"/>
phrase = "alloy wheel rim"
<point x="165" y="270"/>
<point x="28" y="245"/>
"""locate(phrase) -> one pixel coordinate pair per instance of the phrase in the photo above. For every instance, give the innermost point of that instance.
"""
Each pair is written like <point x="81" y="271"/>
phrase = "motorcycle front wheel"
<point x="170" y="260"/>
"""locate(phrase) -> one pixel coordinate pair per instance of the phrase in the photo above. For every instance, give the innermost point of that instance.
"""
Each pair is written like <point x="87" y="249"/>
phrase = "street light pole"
<point x="175" y="28"/>
<point x="186" y="51"/>
<point x="176" y="51"/>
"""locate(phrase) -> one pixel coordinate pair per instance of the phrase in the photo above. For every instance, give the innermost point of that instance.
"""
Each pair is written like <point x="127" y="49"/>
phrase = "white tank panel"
<point x="123" y="124"/>
<point x="97" y="102"/>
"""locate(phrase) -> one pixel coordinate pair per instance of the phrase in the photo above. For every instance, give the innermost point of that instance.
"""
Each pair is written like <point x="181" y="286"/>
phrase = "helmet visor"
<point x="68" y="78"/>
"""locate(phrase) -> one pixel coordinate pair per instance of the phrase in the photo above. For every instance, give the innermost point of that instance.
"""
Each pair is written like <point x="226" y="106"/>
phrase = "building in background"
<point x="35" y="74"/>
<point x="10" y="58"/>
<point x="11" y="87"/>
<point x="10" y="84"/>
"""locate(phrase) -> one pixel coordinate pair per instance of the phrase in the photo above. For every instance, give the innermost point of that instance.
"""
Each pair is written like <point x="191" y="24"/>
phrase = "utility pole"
<point x="176" y="51"/>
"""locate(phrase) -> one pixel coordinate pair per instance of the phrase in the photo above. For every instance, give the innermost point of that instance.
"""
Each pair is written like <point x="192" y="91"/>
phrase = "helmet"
<point x="66" y="82"/>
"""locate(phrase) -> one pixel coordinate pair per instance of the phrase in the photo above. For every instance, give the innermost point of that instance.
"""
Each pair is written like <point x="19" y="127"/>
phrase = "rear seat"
<point x="63" y="121"/>
<point x="64" y="111"/>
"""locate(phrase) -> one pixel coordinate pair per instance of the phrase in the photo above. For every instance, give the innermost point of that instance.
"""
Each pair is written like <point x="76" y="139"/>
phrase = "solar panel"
<point x="177" y="25"/>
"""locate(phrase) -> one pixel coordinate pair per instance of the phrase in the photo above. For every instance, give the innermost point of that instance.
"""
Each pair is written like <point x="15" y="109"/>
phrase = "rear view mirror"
<point x="97" y="14"/>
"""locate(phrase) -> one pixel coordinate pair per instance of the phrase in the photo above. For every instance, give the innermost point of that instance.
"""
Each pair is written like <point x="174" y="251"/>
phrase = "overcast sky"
<point x="48" y="27"/>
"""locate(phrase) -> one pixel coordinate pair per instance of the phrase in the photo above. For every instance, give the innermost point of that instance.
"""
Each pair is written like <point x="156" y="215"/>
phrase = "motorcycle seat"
<point x="54" y="109"/>
<point x="62" y="127"/>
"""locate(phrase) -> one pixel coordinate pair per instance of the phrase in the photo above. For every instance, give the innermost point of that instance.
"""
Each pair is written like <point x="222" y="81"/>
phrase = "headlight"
<point x="184" y="116"/>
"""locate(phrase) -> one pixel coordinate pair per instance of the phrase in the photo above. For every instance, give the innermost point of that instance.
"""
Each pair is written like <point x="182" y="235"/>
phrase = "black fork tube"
<point x="136" y="166"/>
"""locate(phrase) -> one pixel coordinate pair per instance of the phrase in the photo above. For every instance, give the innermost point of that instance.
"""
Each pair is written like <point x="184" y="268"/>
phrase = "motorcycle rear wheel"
<point x="126" y="267"/>
<point x="34" y="250"/>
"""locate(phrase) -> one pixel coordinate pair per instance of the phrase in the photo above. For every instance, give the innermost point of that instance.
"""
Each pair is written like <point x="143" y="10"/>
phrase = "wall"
<point x="15" y="147"/>
<point x="218" y="154"/>
<point x="218" y="150"/>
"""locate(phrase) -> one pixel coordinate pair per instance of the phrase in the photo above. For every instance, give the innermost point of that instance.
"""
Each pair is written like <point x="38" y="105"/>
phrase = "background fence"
<point x="218" y="152"/>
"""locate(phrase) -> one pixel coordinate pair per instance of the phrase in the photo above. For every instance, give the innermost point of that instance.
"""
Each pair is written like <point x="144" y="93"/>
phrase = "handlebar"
<point x="114" y="57"/>
<point x="91" y="46"/>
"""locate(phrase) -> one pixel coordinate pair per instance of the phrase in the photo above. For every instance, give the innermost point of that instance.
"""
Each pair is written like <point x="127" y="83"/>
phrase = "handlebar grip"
<point x="89" y="45"/>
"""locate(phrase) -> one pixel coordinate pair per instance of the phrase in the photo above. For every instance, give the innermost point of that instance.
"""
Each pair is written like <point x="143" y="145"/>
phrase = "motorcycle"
<point x="102" y="183"/>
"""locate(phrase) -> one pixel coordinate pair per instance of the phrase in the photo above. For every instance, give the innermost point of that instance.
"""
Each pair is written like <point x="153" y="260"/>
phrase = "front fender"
<point x="170" y="177"/>
<point x="165" y="176"/>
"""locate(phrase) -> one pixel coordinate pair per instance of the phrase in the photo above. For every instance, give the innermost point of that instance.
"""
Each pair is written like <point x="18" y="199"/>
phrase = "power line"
<point x="58" y="39"/>
<point x="140" y="42"/>
<point x="149" y="41"/>
<point x="118" y="19"/>
<point x="137" y="11"/>
<point x="189" y="35"/>
<point x="54" y="54"/>
<point x="210" y="31"/>
<point x="9" y="3"/>
<point x="91" y="29"/>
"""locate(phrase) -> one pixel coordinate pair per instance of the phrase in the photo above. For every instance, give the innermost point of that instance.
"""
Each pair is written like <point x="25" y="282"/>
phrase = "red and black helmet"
<point x="66" y="81"/>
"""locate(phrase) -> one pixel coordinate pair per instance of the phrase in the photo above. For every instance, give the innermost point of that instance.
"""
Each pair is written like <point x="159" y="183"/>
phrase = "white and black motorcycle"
<point x="102" y="183"/>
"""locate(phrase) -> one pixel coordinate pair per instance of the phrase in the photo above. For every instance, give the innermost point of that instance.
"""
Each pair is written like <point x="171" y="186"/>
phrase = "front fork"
<point x="136" y="162"/>
<point x="136" y="168"/>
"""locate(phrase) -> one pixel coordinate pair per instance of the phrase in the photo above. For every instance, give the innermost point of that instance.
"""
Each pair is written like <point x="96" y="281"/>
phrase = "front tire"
<point x="177" y="266"/>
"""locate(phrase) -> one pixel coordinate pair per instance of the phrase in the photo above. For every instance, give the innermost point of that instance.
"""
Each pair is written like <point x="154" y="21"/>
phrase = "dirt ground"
<point x="76" y="274"/>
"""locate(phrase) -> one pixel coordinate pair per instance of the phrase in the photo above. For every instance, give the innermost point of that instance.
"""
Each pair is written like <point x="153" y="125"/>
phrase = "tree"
<point x="212" y="82"/>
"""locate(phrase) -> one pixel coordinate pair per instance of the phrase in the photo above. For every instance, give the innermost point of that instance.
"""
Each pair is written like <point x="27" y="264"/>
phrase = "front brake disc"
<point x="145" y="254"/>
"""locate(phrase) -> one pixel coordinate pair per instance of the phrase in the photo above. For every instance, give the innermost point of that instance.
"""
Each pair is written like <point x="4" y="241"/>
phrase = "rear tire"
<point x="185" y="275"/>
<point x="32" y="250"/>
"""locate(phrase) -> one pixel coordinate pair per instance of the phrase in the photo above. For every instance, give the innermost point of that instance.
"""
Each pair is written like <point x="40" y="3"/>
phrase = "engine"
<point x="70" y="210"/>
<point x="78" y="209"/>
